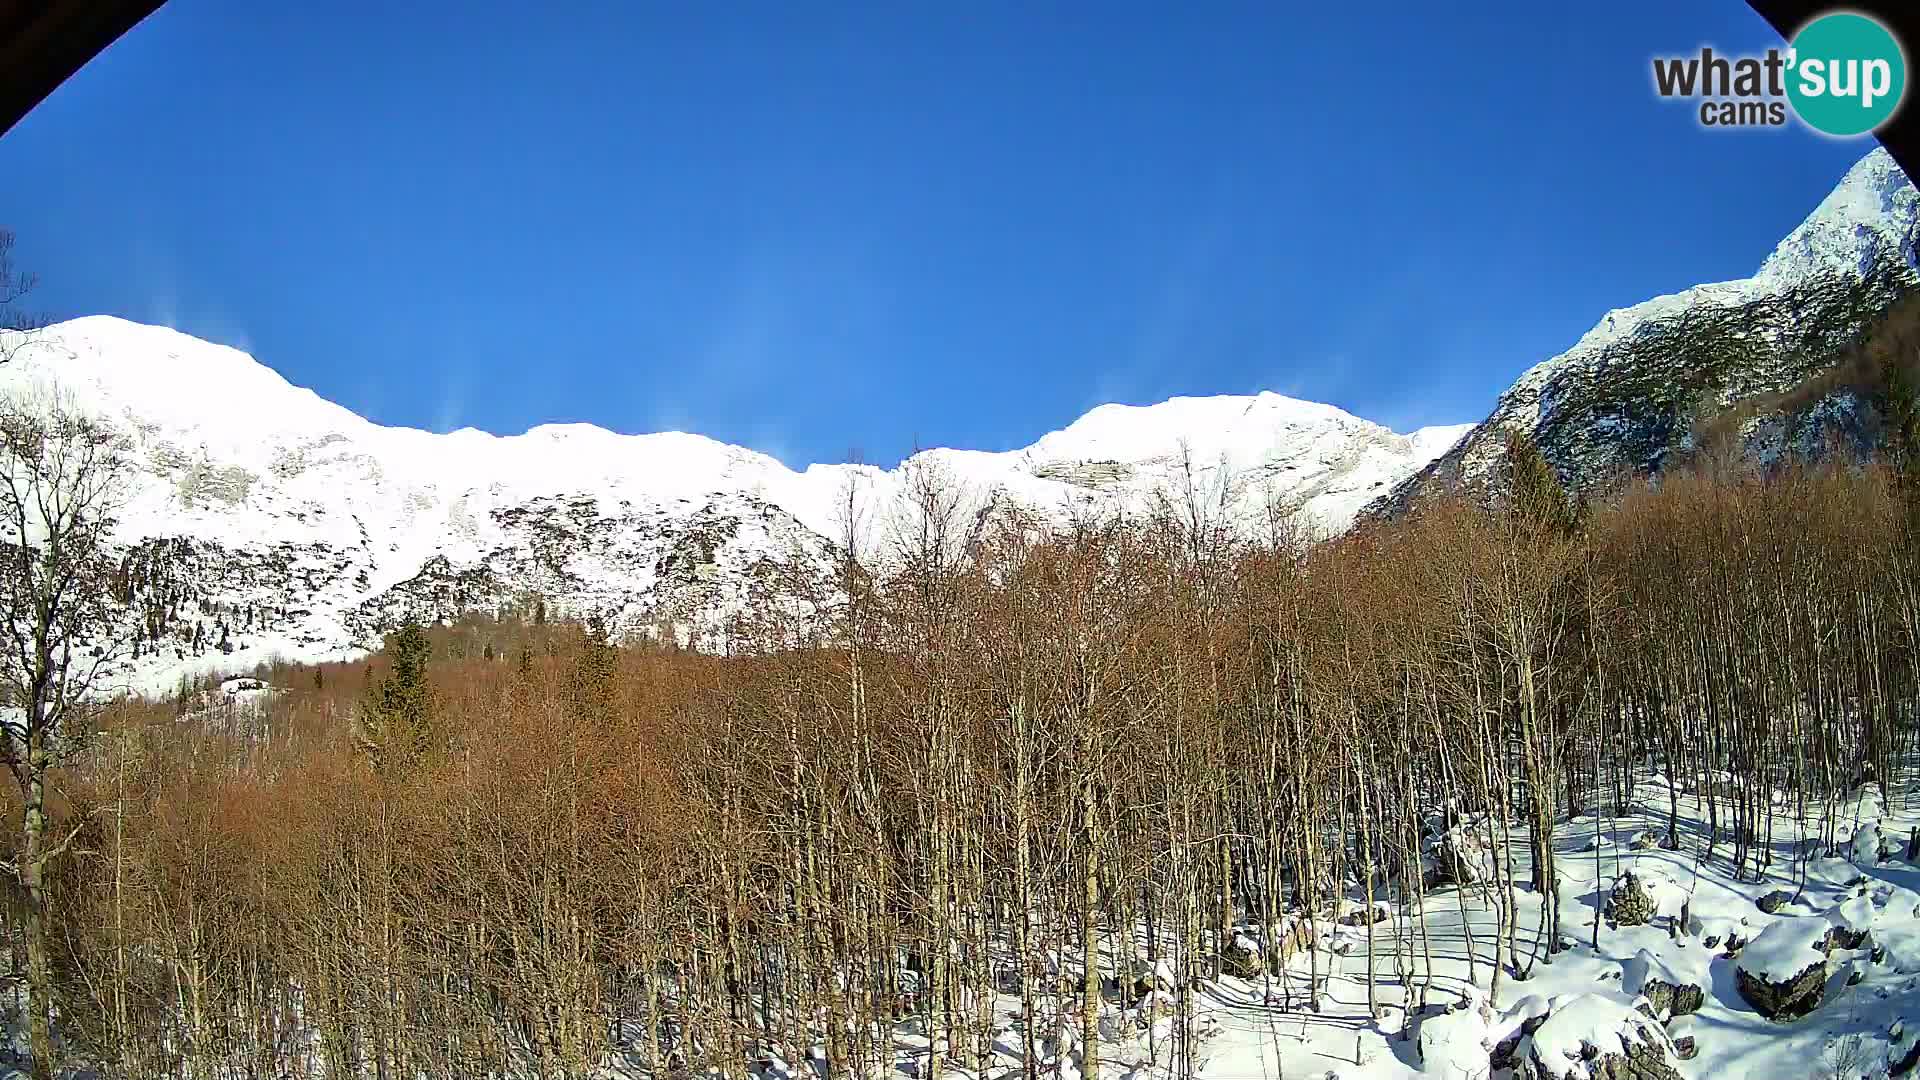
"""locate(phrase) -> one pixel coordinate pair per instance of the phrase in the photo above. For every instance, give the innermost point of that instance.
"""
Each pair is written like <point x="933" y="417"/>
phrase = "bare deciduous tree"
<point x="60" y="485"/>
<point x="17" y="325"/>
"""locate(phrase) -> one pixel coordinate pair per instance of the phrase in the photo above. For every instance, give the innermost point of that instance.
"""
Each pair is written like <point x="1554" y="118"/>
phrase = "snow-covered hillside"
<point x="1634" y="389"/>
<point x="265" y="520"/>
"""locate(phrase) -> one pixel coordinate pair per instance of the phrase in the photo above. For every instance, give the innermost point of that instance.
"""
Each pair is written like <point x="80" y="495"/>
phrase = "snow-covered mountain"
<point x="263" y="519"/>
<point x="1650" y="381"/>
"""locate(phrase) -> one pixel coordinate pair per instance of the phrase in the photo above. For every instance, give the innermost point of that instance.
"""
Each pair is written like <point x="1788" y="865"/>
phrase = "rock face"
<point x="1789" y="998"/>
<point x="1740" y="361"/>
<point x="1629" y="904"/>
<point x="1670" y="1000"/>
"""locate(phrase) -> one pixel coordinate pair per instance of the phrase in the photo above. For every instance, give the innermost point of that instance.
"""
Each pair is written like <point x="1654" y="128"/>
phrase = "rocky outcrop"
<point x="1670" y="999"/>
<point x="1629" y="904"/>
<point x="1788" y="998"/>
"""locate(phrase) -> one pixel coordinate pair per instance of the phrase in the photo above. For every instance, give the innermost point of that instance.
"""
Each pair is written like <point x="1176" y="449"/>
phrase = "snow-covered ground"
<point x="1588" y="1000"/>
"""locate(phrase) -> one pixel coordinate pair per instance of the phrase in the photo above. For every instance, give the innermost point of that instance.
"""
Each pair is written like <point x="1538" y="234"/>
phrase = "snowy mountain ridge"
<point x="264" y="520"/>
<point x="1633" y="390"/>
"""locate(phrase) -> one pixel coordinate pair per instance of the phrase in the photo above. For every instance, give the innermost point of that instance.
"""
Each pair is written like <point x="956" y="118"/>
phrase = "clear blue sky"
<point x="822" y="228"/>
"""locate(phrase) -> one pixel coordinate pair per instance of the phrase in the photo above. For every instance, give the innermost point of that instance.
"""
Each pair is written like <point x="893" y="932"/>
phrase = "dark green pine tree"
<point x="397" y="714"/>
<point x="593" y="676"/>
<point x="1537" y="495"/>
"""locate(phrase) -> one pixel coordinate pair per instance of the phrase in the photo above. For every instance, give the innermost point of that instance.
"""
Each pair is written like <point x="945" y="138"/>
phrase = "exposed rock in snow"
<point x="1852" y="922"/>
<point x="1241" y="957"/>
<point x="1782" y="973"/>
<point x="1629" y="904"/>
<point x="1595" y="1037"/>
<point x="1686" y="1044"/>
<point x="1355" y="913"/>
<point x="1671" y="987"/>
<point x="1458" y="856"/>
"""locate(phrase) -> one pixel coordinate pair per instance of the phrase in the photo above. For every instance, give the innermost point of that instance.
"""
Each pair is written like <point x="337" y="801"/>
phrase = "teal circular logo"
<point x="1847" y="74"/>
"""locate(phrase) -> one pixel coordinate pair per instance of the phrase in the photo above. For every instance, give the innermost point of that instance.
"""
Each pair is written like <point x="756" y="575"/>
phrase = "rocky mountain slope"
<point x="263" y="520"/>
<point x="1641" y="389"/>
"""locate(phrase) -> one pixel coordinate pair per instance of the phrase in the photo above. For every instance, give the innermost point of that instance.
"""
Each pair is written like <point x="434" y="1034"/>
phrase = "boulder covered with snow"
<point x="1595" y="1036"/>
<point x="1782" y="972"/>
<point x="1453" y="1044"/>
<point x="1686" y="1044"/>
<point x="1630" y="904"/>
<point x="1355" y="913"/>
<point x="1852" y="921"/>
<point x="1241" y="957"/>
<point x="1458" y="856"/>
<point x="1672" y="986"/>
<point x="1869" y="846"/>
<point x="1774" y="901"/>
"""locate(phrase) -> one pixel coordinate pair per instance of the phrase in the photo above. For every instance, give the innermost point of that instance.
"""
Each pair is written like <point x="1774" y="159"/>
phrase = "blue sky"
<point x="827" y="229"/>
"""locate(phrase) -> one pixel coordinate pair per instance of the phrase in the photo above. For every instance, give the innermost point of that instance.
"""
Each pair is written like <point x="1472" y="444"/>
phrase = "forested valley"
<point x="1014" y="787"/>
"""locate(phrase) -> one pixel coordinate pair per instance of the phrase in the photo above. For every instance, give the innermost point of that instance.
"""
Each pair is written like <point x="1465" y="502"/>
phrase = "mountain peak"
<point x="1871" y="210"/>
<point x="1634" y="388"/>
